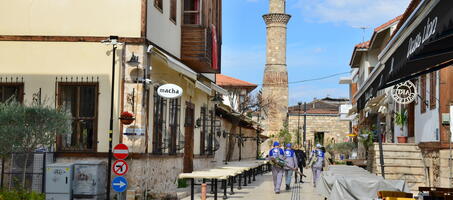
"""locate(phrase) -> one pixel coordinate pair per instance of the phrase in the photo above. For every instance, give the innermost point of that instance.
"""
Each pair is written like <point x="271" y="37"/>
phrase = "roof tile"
<point x="226" y="81"/>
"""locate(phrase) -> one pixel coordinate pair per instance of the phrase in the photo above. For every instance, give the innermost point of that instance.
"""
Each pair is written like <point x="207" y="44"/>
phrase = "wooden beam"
<point x="41" y="38"/>
<point x="144" y="12"/>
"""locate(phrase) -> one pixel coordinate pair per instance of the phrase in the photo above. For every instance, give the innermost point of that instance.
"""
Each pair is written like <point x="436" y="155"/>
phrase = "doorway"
<point x="188" y="137"/>
<point x="319" y="138"/>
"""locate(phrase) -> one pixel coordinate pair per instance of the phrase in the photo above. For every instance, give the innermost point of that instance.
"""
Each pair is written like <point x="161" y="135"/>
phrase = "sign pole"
<point x="112" y="94"/>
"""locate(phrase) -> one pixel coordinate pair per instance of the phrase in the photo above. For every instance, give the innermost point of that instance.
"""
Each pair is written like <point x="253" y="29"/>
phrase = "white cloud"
<point x="352" y="12"/>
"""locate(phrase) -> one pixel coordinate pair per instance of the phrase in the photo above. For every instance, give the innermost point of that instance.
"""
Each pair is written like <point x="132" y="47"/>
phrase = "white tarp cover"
<point x="354" y="183"/>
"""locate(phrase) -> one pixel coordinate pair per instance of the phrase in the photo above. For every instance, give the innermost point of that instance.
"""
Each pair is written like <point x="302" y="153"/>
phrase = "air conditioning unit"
<point x="33" y="168"/>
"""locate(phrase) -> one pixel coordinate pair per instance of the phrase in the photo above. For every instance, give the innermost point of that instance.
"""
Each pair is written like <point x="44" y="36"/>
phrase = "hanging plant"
<point x="127" y="118"/>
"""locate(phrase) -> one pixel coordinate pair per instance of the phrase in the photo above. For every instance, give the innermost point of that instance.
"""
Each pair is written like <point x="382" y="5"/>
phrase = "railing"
<point x="196" y="48"/>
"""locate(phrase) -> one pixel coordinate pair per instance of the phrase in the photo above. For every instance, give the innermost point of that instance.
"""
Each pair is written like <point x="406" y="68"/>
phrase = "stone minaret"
<point x="275" y="83"/>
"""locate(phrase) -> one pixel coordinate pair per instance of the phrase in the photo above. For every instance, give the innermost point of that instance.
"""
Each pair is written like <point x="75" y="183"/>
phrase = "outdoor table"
<point x="350" y="183"/>
<point x="214" y="175"/>
<point x="224" y="172"/>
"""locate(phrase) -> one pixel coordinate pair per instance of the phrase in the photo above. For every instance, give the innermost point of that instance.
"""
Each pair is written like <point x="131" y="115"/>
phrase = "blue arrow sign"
<point x="119" y="184"/>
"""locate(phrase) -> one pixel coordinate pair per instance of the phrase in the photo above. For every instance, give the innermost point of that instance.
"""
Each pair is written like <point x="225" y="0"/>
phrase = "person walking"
<point x="301" y="160"/>
<point x="316" y="163"/>
<point x="291" y="164"/>
<point x="276" y="156"/>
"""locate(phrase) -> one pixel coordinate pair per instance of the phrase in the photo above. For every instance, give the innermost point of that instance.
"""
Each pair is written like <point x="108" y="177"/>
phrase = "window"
<point x="423" y="93"/>
<point x="11" y="91"/>
<point x="81" y="102"/>
<point x="207" y="131"/>
<point x="192" y="12"/>
<point x="432" y="90"/>
<point x="174" y="123"/>
<point x="159" y="5"/>
<point x="173" y="7"/>
<point x="159" y="129"/>
<point x="167" y="138"/>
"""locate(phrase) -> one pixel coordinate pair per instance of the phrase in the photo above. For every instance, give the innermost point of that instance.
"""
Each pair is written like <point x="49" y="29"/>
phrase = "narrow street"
<point x="262" y="189"/>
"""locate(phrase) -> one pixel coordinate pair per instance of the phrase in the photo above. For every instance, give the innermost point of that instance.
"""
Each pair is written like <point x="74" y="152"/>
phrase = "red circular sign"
<point x="121" y="151"/>
<point x="120" y="167"/>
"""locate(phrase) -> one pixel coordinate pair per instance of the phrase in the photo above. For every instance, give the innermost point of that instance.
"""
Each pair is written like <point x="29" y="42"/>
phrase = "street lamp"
<point x="112" y="40"/>
<point x="305" y="126"/>
<point x="298" y="125"/>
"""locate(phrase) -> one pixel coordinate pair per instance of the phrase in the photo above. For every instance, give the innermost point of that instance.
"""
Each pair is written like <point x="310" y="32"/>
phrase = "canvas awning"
<point x="175" y="64"/>
<point x="422" y="45"/>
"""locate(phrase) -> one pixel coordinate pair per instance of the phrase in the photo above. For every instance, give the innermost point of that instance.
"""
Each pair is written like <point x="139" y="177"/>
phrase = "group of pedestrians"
<point x="293" y="159"/>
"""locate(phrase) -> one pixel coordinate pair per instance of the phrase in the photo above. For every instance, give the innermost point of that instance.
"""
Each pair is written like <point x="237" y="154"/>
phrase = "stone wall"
<point x="157" y="174"/>
<point x="331" y="125"/>
<point x="445" y="169"/>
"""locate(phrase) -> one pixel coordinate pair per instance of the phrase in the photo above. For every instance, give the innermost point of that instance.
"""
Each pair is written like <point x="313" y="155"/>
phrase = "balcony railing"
<point x="197" y="49"/>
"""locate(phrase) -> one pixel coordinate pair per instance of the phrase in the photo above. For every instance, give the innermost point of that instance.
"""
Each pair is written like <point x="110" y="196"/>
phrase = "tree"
<point x="284" y="136"/>
<point x="27" y="128"/>
<point x="243" y="108"/>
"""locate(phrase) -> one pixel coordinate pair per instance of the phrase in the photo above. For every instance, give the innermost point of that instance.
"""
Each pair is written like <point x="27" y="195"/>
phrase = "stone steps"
<point x="402" y="162"/>
<point x="398" y="161"/>
<point x="400" y="155"/>
<point x="399" y="147"/>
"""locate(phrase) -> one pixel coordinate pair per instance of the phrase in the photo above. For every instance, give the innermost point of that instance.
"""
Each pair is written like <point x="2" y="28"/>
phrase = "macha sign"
<point x="169" y="91"/>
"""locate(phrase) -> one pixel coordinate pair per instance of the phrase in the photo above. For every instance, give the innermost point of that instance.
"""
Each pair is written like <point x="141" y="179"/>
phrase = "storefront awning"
<point x="203" y="87"/>
<point x="425" y="45"/>
<point x="176" y="64"/>
<point x="219" y="89"/>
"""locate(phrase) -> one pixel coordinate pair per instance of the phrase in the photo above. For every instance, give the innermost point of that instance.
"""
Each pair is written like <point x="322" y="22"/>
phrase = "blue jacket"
<point x="276" y="152"/>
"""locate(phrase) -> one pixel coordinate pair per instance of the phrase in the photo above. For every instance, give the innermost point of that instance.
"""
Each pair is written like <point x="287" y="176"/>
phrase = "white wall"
<point x="161" y="30"/>
<point x="427" y="123"/>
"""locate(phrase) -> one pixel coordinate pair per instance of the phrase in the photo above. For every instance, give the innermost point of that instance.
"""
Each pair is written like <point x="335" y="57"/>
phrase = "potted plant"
<point x="401" y="120"/>
<point x="127" y="118"/>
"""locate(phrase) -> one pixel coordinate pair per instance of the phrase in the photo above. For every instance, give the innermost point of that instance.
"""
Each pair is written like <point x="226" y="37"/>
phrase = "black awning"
<point x="427" y="48"/>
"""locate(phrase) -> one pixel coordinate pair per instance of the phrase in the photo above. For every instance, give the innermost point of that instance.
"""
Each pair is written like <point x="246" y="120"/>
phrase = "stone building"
<point x="242" y="134"/>
<point x="324" y="125"/>
<point x="275" y="82"/>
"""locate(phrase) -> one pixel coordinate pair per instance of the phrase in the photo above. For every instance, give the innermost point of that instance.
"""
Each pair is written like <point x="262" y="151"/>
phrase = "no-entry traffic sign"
<point x="120" y="167"/>
<point x="121" y="151"/>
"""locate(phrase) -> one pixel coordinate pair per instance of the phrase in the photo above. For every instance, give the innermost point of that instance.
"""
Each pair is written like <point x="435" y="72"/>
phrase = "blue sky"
<point x="321" y="37"/>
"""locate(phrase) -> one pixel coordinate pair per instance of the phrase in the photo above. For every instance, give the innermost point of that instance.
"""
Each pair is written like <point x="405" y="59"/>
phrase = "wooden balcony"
<point x="197" y="49"/>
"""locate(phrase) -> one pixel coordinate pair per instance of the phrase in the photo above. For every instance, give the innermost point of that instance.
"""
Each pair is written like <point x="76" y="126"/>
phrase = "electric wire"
<point x="308" y="80"/>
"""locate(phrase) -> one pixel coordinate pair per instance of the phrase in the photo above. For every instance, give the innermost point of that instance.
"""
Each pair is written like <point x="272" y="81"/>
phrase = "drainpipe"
<point x="381" y="151"/>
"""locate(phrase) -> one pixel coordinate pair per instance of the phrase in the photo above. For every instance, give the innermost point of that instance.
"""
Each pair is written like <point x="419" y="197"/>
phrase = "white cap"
<point x="318" y="146"/>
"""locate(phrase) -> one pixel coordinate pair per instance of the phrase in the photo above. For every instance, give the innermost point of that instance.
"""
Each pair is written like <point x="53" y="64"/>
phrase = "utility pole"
<point x="298" y="124"/>
<point x="305" y="126"/>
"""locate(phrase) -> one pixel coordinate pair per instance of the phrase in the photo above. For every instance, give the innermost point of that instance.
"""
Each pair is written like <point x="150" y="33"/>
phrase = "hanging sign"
<point x="404" y="93"/>
<point x="120" y="167"/>
<point x="121" y="151"/>
<point x="169" y="91"/>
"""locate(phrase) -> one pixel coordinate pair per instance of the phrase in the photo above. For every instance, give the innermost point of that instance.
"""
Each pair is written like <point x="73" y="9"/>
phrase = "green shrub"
<point x="20" y="195"/>
<point x="182" y="183"/>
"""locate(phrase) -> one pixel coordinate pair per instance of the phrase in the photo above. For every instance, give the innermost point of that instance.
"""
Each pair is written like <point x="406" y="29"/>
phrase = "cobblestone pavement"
<point x="262" y="189"/>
